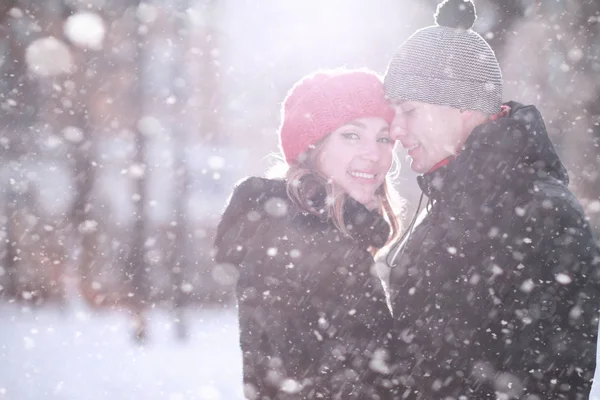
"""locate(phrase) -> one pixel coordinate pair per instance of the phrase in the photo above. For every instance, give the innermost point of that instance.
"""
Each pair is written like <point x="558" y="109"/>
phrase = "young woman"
<point x="314" y="322"/>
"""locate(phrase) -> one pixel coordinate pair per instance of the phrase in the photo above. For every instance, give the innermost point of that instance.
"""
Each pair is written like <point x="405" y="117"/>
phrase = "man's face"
<point x="430" y="133"/>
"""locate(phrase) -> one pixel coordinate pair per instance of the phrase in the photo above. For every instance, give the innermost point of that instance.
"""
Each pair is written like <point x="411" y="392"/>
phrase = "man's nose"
<point x="398" y="127"/>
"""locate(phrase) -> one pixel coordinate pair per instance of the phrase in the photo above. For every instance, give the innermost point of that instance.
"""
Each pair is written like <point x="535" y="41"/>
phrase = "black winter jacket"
<point x="313" y="319"/>
<point x="496" y="291"/>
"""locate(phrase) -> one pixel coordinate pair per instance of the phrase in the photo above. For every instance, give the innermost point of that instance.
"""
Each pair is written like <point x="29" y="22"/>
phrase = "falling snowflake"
<point x="225" y="274"/>
<point x="563" y="279"/>
<point x="28" y="343"/>
<point x="527" y="286"/>
<point x="496" y="270"/>
<point x="295" y="253"/>
<point x="594" y="206"/>
<point x="276" y="207"/>
<point x="291" y="386"/>
<point x="86" y="30"/>
<point x="137" y="170"/>
<point x="187" y="287"/>
<point x="575" y="312"/>
<point x="49" y="56"/>
<point x="88" y="226"/>
<point x="378" y="362"/>
<point x="147" y="13"/>
<point x="72" y="134"/>
<point x="150" y="126"/>
<point x="216" y="162"/>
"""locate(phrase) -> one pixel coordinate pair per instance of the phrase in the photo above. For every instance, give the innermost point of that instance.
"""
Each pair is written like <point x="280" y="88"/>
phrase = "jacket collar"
<point x="503" y="153"/>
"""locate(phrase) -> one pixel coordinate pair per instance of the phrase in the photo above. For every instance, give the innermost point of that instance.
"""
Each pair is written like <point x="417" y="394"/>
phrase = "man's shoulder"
<point x="554" y="220"/>
<point x="550" y="198"/>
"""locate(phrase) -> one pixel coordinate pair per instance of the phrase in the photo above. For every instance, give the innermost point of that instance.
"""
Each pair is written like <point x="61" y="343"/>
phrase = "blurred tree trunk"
<point x="204" y="112"/>
<point x="20" y="106"/>
<point x="65" y="111"/>
<point x="59" y="104"/>
<point x="11" y="251"/>
<point x="11" y="121"/>
<point x="114" y="105"/>
<point x="135" y="265"/>
<point x="180" y="260"/>
<point x="207" y="97"/>
<point x="95" y="115"/>
<point x="23" y="104"/>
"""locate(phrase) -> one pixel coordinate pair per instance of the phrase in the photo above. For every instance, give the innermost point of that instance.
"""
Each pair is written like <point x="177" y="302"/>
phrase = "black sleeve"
<point x="243" y="235"/>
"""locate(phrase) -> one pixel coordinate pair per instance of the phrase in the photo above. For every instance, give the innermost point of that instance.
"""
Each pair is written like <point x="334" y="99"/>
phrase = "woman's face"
<point x="357" y="156"/>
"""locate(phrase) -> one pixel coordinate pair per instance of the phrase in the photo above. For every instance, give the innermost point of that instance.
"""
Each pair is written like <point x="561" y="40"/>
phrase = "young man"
<point x="496" y="290"/>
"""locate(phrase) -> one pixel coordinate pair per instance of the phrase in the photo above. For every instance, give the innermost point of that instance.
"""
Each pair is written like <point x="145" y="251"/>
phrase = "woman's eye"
<point x="350" y="135"/>
<point x="408" y="112"/>
<point x="384" y="140"/>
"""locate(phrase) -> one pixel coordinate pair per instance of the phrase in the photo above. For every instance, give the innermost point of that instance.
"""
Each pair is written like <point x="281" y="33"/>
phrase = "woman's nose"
<point x="371" y="151"/>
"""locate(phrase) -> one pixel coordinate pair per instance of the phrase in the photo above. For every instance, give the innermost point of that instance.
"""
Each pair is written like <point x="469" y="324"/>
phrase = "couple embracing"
<point x="491" y="291"/>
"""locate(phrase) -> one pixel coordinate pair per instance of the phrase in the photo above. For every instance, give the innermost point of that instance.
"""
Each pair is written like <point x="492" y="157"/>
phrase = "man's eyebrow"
<point x="410" y="105"/>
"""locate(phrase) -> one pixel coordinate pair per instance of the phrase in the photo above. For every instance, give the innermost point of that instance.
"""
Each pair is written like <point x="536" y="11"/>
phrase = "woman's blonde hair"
<point x="305" y="169"/>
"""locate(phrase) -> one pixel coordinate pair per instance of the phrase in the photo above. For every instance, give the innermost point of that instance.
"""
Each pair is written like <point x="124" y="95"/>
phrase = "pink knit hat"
<point x="322" y="102"/>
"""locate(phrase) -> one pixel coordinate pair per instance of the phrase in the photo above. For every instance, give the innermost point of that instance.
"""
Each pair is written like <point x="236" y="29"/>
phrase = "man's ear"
<point x="473" y="118"/>
<point x="466" y="114"/>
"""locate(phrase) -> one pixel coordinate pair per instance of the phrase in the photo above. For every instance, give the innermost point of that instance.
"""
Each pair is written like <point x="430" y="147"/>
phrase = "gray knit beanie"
<point x="447" y="64"/>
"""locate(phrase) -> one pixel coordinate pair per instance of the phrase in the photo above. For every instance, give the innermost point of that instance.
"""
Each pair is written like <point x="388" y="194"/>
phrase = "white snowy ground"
<point x="80" y="354"/>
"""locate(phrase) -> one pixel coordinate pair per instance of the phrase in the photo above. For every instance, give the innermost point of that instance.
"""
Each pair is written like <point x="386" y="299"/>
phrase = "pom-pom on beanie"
<point x="447" y="64"/>
<point x="322" y="102"/>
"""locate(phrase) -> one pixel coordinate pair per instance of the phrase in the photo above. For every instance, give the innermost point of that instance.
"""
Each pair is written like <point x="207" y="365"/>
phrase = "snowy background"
<point x="78" y="353"/>
<point x="124" y="125"/>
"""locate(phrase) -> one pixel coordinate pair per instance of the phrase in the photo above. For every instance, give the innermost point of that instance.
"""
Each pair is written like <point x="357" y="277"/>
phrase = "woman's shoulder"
<point x="253" y="201"/>
<point x="255" y="189"/>
<point x="269" y="197"/>
<point x="268" y="200"/>
<point x="255" y="198"/>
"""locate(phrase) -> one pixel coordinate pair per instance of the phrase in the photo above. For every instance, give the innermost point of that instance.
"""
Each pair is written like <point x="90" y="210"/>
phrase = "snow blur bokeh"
<point x="212" y="77"/>
<point x="49" y="56"/>
<point x="85" y="30"/>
